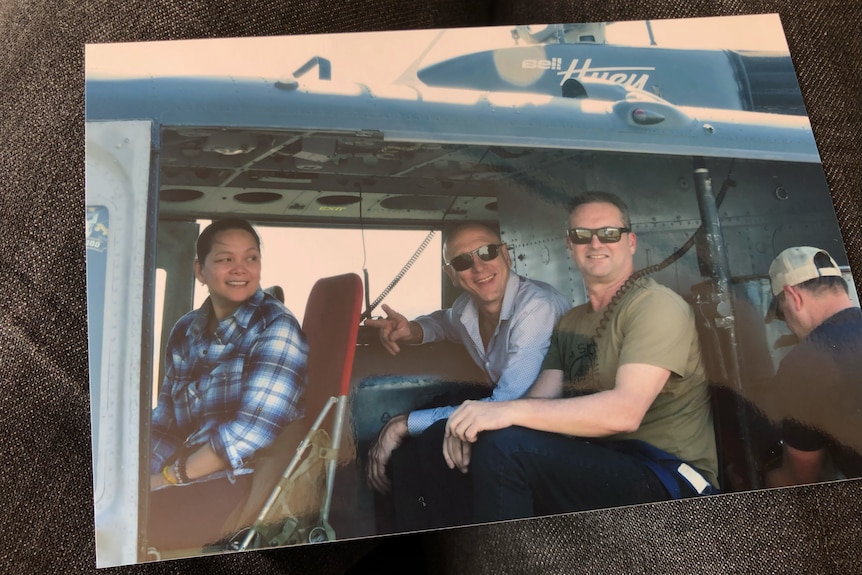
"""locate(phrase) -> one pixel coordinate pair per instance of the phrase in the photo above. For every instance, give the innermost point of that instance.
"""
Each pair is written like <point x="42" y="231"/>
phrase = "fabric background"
<point x="45" y="477"/>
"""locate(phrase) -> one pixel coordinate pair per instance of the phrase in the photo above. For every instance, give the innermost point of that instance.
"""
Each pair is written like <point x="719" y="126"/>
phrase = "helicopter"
<point x="711" y="149"/>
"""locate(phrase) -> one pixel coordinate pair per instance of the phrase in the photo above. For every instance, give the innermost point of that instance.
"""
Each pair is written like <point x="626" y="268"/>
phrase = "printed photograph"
<point x="353" y="285"/>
